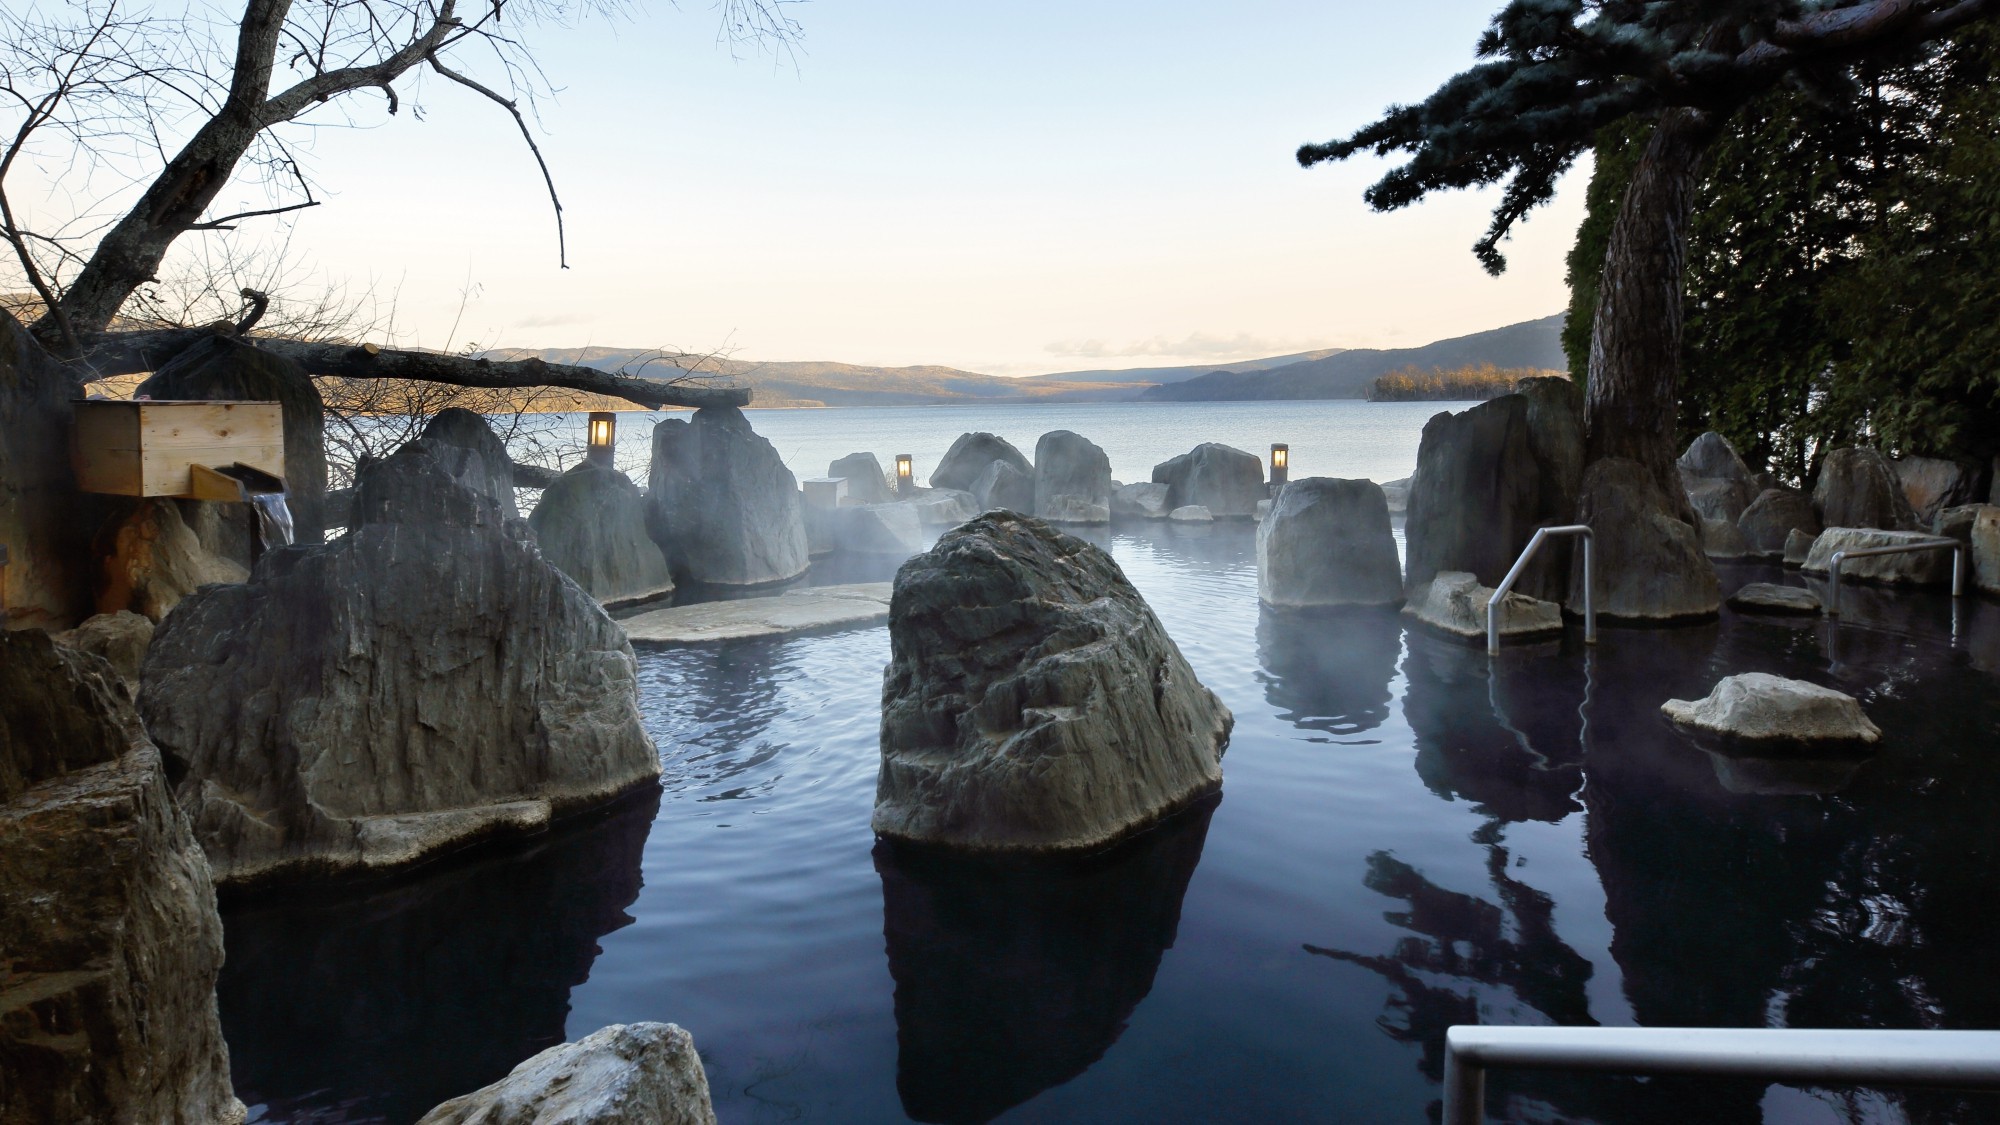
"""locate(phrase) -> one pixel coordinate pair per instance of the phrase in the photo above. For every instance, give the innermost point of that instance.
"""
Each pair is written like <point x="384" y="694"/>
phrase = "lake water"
<point x="1408" y="836"/>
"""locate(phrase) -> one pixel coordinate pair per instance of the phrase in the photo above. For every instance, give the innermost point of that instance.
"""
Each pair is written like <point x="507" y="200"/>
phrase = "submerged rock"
<point x="152" y="561"/>
<point x="422" y="682"/>
<point x="1032" y="701"/>
<point x="1146" y="501"/>
<point x="724" y="507"/>
<point x="1771" y="518"/>
<point x="625" y="1074"/>
<point x="1072" y="479"/>
<point x="1004" y="486"/>
<point x="107" y="916"/>
<point x="591" y="524"/>
<point x="1911" y="568"/>
<point x="1191" y="513"/>
<point x="866" y="482"/>
<point x="1756" y="707"/>
<point x="120" y="638"/>
<point x="1454" y="602"/>
<point x="1328" y="542"/>
<point x="490" y="469"/>
<point x="1652" y="567"/>
<point x="1858" y="488"/>
<point x="1767" y="597"/>
<point x="968" y="457"/>
<point x="1228" y="482"/>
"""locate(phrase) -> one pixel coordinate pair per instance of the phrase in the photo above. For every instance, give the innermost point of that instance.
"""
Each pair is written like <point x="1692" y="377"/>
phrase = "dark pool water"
<point x="1408" y="837"/>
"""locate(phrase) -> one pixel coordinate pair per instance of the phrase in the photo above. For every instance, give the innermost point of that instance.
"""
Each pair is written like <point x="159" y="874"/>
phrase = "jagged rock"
<point x="1757" y="707"/>
<point x="422" y="682"/>
<point x="1910" y="568"/>
<point x="880" y="529"/>
<point x="1772" y="517"/>
<point x="45" y="523"/>
<point x="943" y="507"/>
<point x="1004" y="486"/>
<point x="1032" y="701"/>
<point x="1766" y="597"/>
<point x="1858" y="488"/>
<point x="866" y="482"/>
<point x="1487" y="478"/>
<point x="1454" y="602"/>
<point x="1145" y="501"/>
<point x="224" y="368"/>
<point x="1328" y="542"/>
<point x="121" y="638"/>
<point x="1720" y="539"/>
<point x="724" y="507"/>
<point x="1072" y="479"/>
<point x="490" y="470"/>
<point x="1191" y="513"/>
<point x="1798" y="545"/>
<point x="1711" y="457"/>
<point x="1397" y="493"/>
<point x="591" y="524"/>
<point x="107" y="916"/>
<point x="1228" y="482"/>
<point x="151" y="561"/>
<point x="1932" y="484"/>
<point x="1651" y="567"/>
<point x="968" y="457"/>
<point x="1724" y="500"/>
<point x="625" y="1074"/>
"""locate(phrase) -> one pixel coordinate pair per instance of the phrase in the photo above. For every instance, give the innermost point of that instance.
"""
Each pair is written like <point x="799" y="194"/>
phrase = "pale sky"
<point x="1013" y="188"/>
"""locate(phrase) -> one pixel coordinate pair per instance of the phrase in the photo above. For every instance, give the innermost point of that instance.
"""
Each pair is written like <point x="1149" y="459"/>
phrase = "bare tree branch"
<point x="562" y="247"/>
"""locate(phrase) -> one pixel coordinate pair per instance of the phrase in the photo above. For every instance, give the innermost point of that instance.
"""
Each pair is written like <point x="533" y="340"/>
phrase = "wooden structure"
<point x="141" y="447"/>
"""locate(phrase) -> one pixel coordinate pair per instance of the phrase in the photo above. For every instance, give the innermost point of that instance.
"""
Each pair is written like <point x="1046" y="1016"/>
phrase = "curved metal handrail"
<point x="1940" y="543"/>
<point x="1520" y="564"/>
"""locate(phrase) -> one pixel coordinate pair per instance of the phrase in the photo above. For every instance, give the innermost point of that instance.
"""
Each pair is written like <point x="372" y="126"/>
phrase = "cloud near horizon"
<point x="1197" y="345"/>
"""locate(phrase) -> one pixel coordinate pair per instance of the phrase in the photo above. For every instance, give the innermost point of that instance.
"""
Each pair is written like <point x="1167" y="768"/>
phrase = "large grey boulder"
<point x="424" y="681"/>
<point x="724" y="507"/>
<point x="1397" y="493"/>
<point x="1718" y="484"/>
<point x="591" y="525"/>
<point x="151" y="560"/>
<point x="109" y="939"/>
<point x="1004" y="486"/>
<point x="223" y="368"/>
<point x="1328" y="542"/>
<point x="490" y="468"/>
<point x="1072" y="479"/>
<point x="943" y="507"/>
<point x="1984" y="537"/>
<point x="968" y="457"/>
<point x="1721" y="539"/>
<point x="1191" y="513"/>
<point x="625" y="1074"/>
<point x="1909" y="568"/>
<point x="1650" y="565"/>
<point x="44" y="522"/>
<point x="1487" y="478"/>
<point x="121" y="638"/>
<point x="1772" y="517"/>
<point x="866" y="482"/>
<point x="1143" y="501"/>
<point x="1759" y="708"/>
<point x="1724" y="500"/>
<point x="1932" y="484"/>
<point x="1032" y="701"/>
<point x="1228" y="482"/>
<point x="1798" y="546"/>
<point x="1455" y="603"/>
<point x="879" y="529"/>
<point x="1859" y="488"/>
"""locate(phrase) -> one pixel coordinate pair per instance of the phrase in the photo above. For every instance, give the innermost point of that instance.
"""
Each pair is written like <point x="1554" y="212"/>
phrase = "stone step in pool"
<point x="812" y="609"/>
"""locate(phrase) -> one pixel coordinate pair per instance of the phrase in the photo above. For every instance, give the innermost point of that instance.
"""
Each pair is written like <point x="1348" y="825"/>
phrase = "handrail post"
<point x="1833" y="583"/>
<point x="1936" y="543"/>
<point x="1464" y="1086"/>
<point x="1520" y="564"/>
<point x="1589" y="589"/>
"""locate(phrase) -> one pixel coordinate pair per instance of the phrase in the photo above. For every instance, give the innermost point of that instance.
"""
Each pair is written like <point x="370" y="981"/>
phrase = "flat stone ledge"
<point x="811" y="609"/>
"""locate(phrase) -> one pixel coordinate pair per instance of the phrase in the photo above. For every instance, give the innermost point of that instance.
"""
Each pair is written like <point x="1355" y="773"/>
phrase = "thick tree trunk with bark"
<point x="1632" y="402"/>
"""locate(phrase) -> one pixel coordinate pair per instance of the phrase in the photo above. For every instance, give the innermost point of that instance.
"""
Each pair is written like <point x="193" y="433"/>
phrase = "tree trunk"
<point x="1632" y="401"/>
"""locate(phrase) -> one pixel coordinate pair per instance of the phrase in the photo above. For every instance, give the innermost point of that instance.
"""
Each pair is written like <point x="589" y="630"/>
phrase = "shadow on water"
<point x="398" y="997"/>
<point x="1013" y="976"/>
<point x="1329" y="670"/>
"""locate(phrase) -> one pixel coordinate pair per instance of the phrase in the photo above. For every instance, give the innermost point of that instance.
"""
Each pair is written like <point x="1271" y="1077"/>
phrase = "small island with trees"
<point x="1474" y="383"/>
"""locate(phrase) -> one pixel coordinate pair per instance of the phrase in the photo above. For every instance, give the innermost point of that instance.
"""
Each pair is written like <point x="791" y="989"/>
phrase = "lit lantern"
<point x="906" y="477"/>
<point x="600" y="438"/>
<point x="1281" y="463"/>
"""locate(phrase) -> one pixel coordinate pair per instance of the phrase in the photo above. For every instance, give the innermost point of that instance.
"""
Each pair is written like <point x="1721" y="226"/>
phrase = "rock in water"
<point x="968" y="457"/>
<point x="1454" y="602"/>
<point x="1798" y="546"/>
<point x="1650" y="565"/>
<point x="152" y="561"/>
<point x="120" y="638"/>
<point x="490" y="469"/>
<point x="1985" y="536"/>
<point x="1858" y="488"/>
<point x="1032" y="701"/>
<point x="222" y="367"/>
<point x="1228" y="482"/>
<point x="1756" y="707"/>
<point x="1932" y="484"/>
<point x="1004" y="486"/>
<point x="943" y="507"/>
<point x="424" y="681"/>
<point x="1772" y="517"/>
<point x="625" y="1074"/>
<point x="724" y="507"/>
<point x="1191" y="513"/>
<point x="1145" y="501"/>
<point x="1717" y="481"/>
<point x="1766" y="597"/>
<point x="591" y="523"/>
<point x="1721" y="539"/>
<point x="107" y="916"/>
<point x="44" y="522"/>
<point x="1908" y="568"/>
<point x="1072" y="479"/>
<point x="1328" y="542"/>
<point x="866" y="482"/>
<point x="879" y="529"/>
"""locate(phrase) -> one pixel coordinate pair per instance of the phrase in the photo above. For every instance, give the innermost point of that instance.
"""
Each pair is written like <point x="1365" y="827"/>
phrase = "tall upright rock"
<point x="1717" y="481"/>
<point x="1857" y="487"/>
<point x="1225" y="480"/>
<point x="724" y="507"/>
<point x="422" y="682"/>
<point x="109" y="939"/>
<point x="591" y="523"/>
<point x="968" y="457"/>
<point x="866" y="482"/>
<point x="1072" y="479"/>
<point x="45" y="523"/>
<point x="490" y="469"/>
<point x="1650" y="564"/>
<point x="1328" y="542"/>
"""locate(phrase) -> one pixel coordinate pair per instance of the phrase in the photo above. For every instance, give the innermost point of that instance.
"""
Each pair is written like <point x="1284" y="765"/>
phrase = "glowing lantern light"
<point x="601" y="437"/>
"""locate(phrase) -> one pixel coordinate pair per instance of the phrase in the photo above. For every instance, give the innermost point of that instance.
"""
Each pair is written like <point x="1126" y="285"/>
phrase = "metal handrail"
<point x="1958" y="1059"/>
<point x="1941" y="543"/>
<point x="1520" y="564"/>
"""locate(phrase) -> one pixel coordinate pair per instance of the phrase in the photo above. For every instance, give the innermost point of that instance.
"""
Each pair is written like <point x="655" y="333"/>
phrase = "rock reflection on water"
<point x="1329" y="671"/>
<point x="400" y="997"/>
<point x="1504" y="734"/>
<point x="1015" y="975"/>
